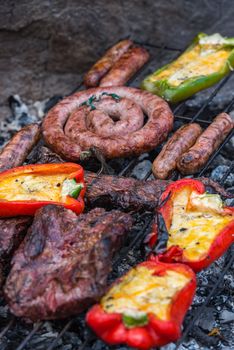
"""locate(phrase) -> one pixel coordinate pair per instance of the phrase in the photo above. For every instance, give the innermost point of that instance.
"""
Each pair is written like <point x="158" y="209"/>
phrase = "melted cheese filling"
<point x="141" y="291"/>
<point x="32" y="187"/>
<point x="195" y="229"/>
<point x="195" y="63"/>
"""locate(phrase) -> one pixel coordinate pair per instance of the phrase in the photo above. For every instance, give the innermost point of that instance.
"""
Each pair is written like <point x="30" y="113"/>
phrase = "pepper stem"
<point x="135" y="320"/>
<point x="71" y="188"/>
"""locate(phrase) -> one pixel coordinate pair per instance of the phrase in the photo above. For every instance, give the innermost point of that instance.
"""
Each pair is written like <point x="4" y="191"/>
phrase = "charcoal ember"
<point x="4" y="311"/>
<point x="143" y="156"/>
<point x="2" y="141"/>
<point x="178" y="124"/>
<point x="230" y="202"/>
<point x="20" y="117"/>
<point x="20" y="111"/>
<point x="207" y="320"/>
<point x="142" y="169"/>
<point x="226" y="316"/>
<point x="99" y="345"/>
<point x="220" y="160"/>
<point x="191" y="345"/>
<point x="204" y="338"/>
<point x="169" y="347"/>
<point x="52" y="102"/>
<point x="63" y="263"/>
<point x="229" y="281"/>
<point x="116" y="163"/>
<point x="228" y="149"/>
<point x="219" y="172"/>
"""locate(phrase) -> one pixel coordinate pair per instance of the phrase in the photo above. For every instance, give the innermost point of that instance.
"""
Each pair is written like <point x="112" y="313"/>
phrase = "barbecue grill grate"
<point x="199" y="117"/>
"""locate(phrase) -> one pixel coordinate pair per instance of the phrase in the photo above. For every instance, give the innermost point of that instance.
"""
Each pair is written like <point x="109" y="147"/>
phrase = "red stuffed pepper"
<point x="25" y="189"/>
<point x="145" y="308"/>
<point x="198" y="228"/>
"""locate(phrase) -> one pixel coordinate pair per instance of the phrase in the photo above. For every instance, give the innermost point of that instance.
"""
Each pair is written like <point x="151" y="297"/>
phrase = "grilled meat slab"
<point x="12" y="232"/>
<point x="63" y="263"/>
<point x="112" y="191"/>
<point x="122" y="192"/>
<point x="131" y="194"/>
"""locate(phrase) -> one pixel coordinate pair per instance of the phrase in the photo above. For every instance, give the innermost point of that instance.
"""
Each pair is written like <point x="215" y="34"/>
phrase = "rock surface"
<point x="45" y="46"/>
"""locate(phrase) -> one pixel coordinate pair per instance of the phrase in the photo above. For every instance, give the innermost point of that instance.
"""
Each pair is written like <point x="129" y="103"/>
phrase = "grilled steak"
<point x="12" y="232"/>
<point x="117" y="191"/>
<point x="63" y="263"/>
<point x="121" y="192"/>
<point x="131" y="194"/>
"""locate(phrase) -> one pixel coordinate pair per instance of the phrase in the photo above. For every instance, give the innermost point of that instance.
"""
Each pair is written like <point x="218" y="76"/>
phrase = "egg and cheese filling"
<point x="142" y="292"/>
<point x="32" y="187"/>
<point x="197" y="62"/>
<point x="196" y="221"/>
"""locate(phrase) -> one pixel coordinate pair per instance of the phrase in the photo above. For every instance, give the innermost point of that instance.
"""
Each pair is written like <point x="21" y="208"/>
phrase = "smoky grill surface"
<point x="212" y="311"/>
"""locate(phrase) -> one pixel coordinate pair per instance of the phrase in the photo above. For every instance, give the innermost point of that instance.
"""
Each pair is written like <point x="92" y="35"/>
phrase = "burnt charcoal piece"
<point x="12" y="232"/>
<point x="52" y="102"/>
<point x="63" y="263"/>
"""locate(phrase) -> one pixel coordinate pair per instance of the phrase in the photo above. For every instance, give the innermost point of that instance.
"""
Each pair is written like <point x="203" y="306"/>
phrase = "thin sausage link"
<point x="18" y="148"/>
<point x="102" y="66"/>
<point x="197" y="156"/>
<point x="126" y="67"/>
<point x="179" y="143"/>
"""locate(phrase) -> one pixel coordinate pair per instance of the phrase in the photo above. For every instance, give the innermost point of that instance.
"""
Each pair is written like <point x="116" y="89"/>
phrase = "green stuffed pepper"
<point x="205" y="62"/>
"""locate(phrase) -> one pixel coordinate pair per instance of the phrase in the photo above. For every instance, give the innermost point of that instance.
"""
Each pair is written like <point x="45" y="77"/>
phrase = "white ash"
<point x="141" y="170"/>
<point x="21" y="115"/>
<point x="218" y="173"/>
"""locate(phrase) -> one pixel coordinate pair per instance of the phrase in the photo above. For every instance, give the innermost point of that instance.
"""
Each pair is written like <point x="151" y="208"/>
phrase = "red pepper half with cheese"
<point x="25" y="189"/>
<point x="199" y="228"/>
<point x="146" y="307"/>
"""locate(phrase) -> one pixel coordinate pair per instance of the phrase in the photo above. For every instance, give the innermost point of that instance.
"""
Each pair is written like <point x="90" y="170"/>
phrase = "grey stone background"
<point x="46" y="45"/>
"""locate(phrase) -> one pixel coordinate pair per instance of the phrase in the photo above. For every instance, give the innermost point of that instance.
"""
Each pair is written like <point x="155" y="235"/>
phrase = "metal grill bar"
<point x="8" y="326"/>
<point x="140" y="236"/>
<point x="214" y="93"/>
<point x="55" y="341"/>
<point x="198" y="312"/>
<point x="187" y="119"/>
<point x="166" y="47"/>
<point x="227" y="173"/>
<point x="36" y="327"/>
